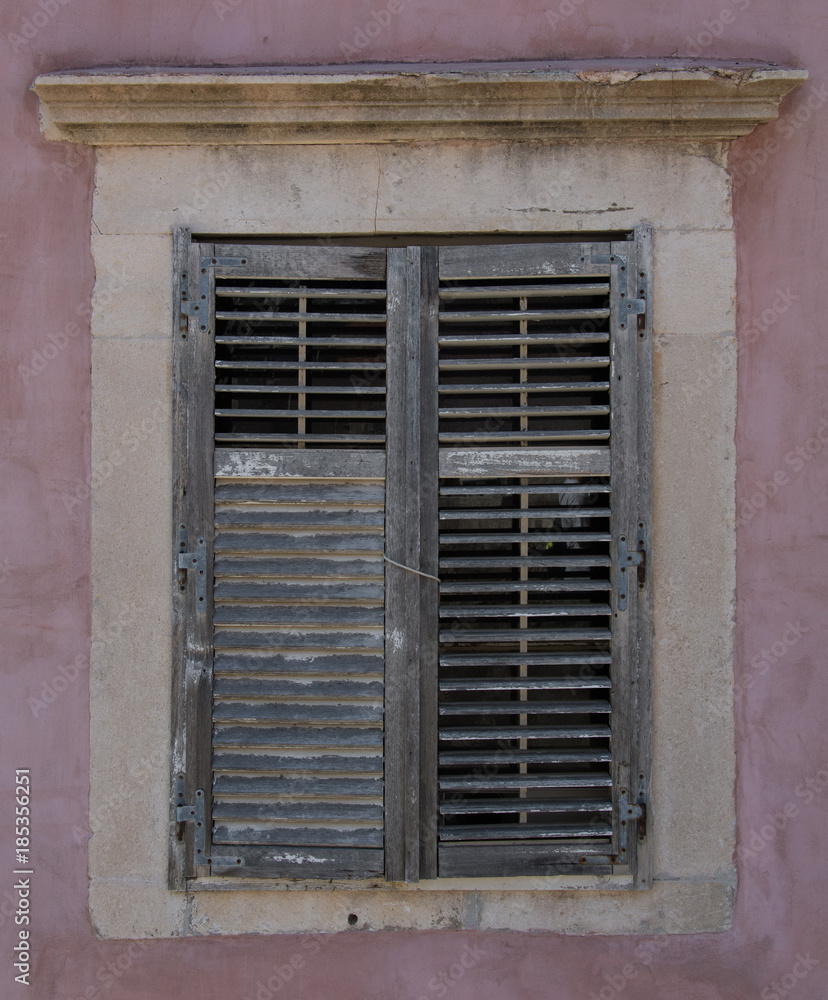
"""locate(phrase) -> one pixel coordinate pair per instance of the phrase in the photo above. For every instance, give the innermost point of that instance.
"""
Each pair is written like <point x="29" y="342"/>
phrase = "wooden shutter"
<point x="281" y="386"/>
<point x="543" y="389"/>
<point x="354" y="422"/>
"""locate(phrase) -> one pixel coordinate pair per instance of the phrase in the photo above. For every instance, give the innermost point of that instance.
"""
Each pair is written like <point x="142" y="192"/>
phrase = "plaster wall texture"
<point x="777" y="942"/>
<point x="140" y="190"/>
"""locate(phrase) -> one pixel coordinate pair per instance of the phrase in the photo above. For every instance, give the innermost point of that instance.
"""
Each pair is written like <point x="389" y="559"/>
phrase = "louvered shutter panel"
<point x="281" y="377"/>
<point x="543" y="386"/>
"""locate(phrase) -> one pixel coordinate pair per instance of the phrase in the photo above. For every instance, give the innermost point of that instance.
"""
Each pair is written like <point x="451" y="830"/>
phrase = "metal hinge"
<point x="628" y="813"/>
<point x="634" y="307"/>
<point x="195" y="561"/>
<point x="200" y="308"/>
<point x="190" y="814"/>
<point x="626" y="306"/>
<point x="626" y="560"/>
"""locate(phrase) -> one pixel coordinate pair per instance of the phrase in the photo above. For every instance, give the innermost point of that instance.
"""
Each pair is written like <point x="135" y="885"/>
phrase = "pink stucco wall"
<point x="782" y="222"/>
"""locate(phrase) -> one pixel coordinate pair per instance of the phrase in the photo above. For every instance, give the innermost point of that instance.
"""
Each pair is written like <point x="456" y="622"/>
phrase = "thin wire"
<point x="410" y="569"/>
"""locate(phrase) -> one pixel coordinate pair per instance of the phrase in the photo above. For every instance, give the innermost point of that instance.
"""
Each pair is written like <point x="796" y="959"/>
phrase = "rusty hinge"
<point x="194" y="813"/>
<point x="626" y="560"/>
<point x="629" y="812"/>
<point x="195" y="562"/>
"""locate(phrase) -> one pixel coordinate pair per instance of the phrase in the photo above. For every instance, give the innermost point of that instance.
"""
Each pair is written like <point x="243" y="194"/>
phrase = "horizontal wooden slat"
<point x="284" y="836"/>
<point x="308" y="390"/>
<point x="514" y="462"/>
<point x="552" y="487"/>
<point x="248" y="515"/>
<point x="285" y="639"/>
<point x="283" y="812"/>
<point x="452" y="734"/>
<point x="297" y="262"/>
<point x="519" y="260"/>
<point x="530" y="537"/>
<point x="484" y="389"/>
<point x="344" y="592"/>
<point x="483" y="364"/>
<point x="320" y="366"/>
<point x="482" y="339"/>
<point x="522" y="610"/>
<point x="311" y="541"/>
<point x="525" y="586"/>
<point x="297" y="292"/>
<point x="324" y="863"/>
<point x="532" y="562"/>
<point x="523" y="411"/>
<point x="275" y="316"/>
<point x="294" y="341"/>
<point x="311" y="687"/>
<point x="527" y="707"/>
<point x="226" y="786"/>
<point x="521" y="513"/>
<point x="504" y="860"/>
<point x="299" y="567"/>
<point x="262" y="413"/>
<point x="298" y="763"/>
<point x="527" y="805"/>
<point x="514" y="291"/>
<point x="528" y="315"/>
<point x="525" y="684"/>
<point x="297" y="712"/>
<point x="485" y="783"/>
<point x="585" y="659"/>
<point x="279" y="664"/>
<point x="477" y="438"/>
<point x="297" y="736"/>
<point x="509" y="758"/>
<point x="316" y="494"/>
<point x="292" y="464"/>
<point x="328" y="616"/>
<point x="527" y="831"/>
<point x="266" y="437"/>
<point x="526" y="635"/>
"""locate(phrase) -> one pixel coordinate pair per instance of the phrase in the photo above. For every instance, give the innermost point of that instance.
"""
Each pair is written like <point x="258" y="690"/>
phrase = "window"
<point x="412" y="608"/>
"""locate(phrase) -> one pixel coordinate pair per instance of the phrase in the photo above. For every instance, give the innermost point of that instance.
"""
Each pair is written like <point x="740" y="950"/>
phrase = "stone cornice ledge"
<point x="618" y="99"/>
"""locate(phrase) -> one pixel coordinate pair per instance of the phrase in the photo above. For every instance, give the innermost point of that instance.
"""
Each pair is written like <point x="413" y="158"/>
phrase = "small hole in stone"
<point x="352" y="919"/>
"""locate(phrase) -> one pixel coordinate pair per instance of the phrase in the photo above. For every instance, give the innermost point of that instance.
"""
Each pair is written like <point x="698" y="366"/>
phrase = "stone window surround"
<point x="249" y="154"/>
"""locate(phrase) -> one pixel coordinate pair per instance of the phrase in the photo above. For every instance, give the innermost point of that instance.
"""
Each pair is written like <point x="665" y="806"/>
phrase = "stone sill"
<point x="601" y="99"/>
